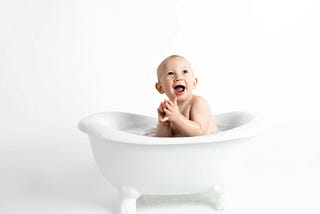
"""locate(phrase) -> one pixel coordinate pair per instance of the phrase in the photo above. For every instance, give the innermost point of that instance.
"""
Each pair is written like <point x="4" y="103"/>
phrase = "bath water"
<point x="151" y="132"/>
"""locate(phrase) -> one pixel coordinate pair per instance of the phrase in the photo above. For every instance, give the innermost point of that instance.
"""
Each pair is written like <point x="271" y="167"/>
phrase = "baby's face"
<point x="176" y="79"/>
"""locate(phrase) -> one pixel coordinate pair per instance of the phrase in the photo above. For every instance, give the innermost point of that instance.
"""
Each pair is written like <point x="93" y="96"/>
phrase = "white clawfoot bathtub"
<point x="142" y="165"/>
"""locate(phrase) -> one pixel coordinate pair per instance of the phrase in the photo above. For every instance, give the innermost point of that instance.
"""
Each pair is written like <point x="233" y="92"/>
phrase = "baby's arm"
<point x="200" y="116"/>
<point x="163" y="127"/>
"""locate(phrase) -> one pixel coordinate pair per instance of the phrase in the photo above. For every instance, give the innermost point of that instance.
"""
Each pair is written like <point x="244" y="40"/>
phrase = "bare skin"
<point x="183" y="114"/>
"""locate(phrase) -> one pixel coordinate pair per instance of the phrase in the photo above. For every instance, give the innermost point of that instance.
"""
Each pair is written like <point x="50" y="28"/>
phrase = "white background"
<point x="62" y="60"/>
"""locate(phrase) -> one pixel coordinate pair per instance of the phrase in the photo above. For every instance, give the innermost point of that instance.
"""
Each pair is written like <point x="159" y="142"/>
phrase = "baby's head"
<point x="176" y="78"/>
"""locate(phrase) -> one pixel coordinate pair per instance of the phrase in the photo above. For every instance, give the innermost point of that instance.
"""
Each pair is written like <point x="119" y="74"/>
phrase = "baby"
<point x="184" y="114"/>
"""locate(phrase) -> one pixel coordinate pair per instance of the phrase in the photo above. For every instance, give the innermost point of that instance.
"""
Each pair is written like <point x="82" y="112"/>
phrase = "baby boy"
<point x="183" y="114"/>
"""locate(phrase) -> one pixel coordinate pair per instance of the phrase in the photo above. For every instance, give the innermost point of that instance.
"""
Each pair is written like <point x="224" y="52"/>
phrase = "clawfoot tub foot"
<point x="128" y="199"/>
<point x="216" y="199"/>
<point x="212" y="197"/>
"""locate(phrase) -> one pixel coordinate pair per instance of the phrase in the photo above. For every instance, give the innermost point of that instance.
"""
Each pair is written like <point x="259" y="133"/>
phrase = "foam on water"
<point x="151" y="132"/>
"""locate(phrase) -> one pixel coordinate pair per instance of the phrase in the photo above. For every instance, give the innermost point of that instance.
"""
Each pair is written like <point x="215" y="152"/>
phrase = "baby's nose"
<point x="178" y="78"/>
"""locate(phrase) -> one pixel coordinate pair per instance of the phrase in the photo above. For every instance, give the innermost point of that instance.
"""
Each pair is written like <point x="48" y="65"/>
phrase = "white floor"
<point x="60" y="176"/>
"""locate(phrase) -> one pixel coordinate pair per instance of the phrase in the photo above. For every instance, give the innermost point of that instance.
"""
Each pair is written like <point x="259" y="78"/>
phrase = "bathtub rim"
<point x="253" y="128"/>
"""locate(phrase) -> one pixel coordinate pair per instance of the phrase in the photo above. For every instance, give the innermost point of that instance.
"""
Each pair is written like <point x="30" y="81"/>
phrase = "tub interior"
<point x="124" y="121"/>
<point x="228" y="121"/>
<point x="145" y="125"/>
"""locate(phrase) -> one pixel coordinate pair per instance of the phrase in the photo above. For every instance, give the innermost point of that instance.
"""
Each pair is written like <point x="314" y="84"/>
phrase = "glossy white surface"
<point x="141" y="165"/>
<point x="61" y="177"/>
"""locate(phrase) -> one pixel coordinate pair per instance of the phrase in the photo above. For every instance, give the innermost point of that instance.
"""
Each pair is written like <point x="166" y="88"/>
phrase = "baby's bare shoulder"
<point x="199" y="100"/>
<point x="199" y="104"/>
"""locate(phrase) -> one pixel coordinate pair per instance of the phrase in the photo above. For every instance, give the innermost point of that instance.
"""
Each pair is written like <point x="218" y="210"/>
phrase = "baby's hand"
<point x="171" y="110"/>
<point x="161" y="113"/>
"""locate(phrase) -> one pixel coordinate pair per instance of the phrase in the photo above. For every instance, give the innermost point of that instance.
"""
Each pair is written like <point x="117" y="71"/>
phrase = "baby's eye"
<point x="170" y="74"/>
<point x="185" y="71"/>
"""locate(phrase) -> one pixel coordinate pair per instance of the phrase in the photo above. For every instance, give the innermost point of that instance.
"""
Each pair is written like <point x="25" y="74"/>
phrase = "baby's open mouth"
<point x="179" y="88"/>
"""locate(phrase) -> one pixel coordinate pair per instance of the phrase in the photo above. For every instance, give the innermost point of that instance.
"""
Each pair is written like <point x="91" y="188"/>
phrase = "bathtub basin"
<point x="142" y="165"/>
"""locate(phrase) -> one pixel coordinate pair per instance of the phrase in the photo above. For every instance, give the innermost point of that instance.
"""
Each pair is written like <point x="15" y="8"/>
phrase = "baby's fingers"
<point x="164" y="119"/>
<point x="169" y="106"/>
<point x="167" y="111"/>
<point x="163" y="104"/>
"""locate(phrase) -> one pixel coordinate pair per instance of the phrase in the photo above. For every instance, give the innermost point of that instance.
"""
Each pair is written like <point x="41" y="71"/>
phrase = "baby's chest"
<point x="175" y="129"/>
<point x="186" y="113"/>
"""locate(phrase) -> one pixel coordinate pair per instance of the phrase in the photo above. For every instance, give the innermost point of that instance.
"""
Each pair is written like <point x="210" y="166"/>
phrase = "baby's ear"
<point x="159" y="87"/>
<point x="195" y="83"/>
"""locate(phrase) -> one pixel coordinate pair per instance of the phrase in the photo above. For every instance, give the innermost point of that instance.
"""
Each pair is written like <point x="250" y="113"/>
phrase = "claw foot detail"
<point x="128" y="199"/>
<point x="216" y="198"/>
